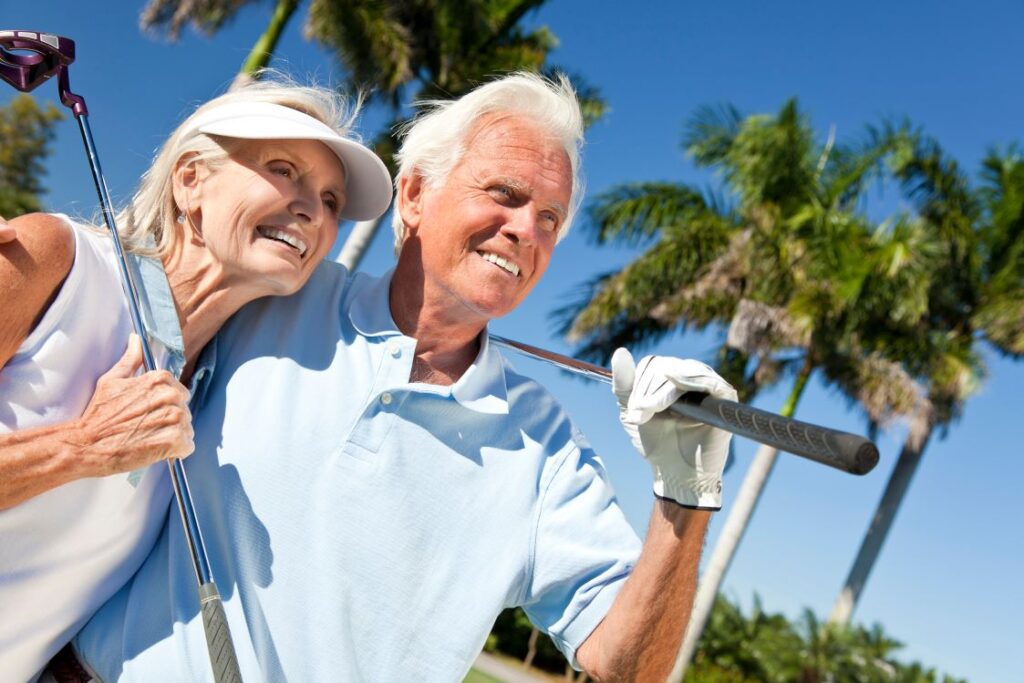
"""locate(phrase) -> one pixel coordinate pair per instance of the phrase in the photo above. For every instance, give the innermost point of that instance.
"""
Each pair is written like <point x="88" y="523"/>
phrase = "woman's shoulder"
<point x="32" y="268"/>
<point x="48" y="239"/>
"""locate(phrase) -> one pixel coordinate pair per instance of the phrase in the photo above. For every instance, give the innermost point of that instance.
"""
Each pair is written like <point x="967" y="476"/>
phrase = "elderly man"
<point x="378" y="483"/>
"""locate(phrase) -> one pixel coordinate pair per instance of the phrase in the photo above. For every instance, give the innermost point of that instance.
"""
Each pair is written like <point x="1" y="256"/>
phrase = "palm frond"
<point x="171" y="16"/>
<point x="632" y="214"/>
<point x="710" y="133"/>
<point x="372" y="41"/>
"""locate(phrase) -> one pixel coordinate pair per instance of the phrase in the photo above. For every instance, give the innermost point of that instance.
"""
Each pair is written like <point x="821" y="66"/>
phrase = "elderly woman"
<point x="243" y="201"/>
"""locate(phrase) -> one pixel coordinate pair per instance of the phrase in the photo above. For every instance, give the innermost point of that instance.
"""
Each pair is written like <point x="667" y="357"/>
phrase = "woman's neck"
<point x="204" y="296"/>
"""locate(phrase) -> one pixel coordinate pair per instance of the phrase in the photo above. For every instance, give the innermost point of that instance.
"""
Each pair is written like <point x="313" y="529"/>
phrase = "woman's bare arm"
<point x="130" y="421"/>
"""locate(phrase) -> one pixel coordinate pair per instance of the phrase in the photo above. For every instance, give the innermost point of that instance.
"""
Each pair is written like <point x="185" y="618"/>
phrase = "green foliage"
<point x="475" y="676"/>
<point x="786" y="261"/>
<point x="757" y="647"/>
<point x="26" y="131"/>
<point x="444" y="47"/>
<point x="434" y="49"/>
<point x="207" y="16"/>
<point x="769" y="648"/>
<point x="1000" y="309"/>
<point x="511" y="635"/>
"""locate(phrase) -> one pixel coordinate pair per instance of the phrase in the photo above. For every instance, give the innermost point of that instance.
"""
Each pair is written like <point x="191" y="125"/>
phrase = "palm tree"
<point x="209" y="16"/>
<point x="761" y="647"/>
<point x="790" y="268"/>
<point x="436" y="49"/>
<point x="977" y="292"/>
<point x="397" y="51"/>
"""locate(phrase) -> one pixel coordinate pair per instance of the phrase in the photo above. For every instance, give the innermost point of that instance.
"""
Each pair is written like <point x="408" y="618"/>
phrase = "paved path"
<point x="509" y="673"/>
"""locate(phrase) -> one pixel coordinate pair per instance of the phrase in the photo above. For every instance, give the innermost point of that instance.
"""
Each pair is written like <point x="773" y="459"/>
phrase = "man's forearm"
<point x="639" y="638"/>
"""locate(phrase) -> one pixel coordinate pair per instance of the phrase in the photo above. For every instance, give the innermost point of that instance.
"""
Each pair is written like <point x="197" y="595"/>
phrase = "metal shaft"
<point x="218" y="635"/>
<point x="180" y="482"/>
<point x="847" y="452"/>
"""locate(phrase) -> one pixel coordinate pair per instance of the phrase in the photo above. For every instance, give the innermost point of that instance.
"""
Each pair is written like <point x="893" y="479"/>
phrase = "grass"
<point x="475" y="676"/>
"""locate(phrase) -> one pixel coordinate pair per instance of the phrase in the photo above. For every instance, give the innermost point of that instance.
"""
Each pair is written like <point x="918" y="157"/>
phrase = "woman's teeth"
<point x="282" y="236"/>
<point x="498" y="261"/>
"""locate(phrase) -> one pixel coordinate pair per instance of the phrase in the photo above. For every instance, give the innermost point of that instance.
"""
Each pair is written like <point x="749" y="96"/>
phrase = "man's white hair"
<point x="437" y="139"/>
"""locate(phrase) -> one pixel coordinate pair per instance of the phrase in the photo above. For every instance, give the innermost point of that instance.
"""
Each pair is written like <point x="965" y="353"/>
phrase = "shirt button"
<point x="394" y="349"/>
<point x="385" y="398"/>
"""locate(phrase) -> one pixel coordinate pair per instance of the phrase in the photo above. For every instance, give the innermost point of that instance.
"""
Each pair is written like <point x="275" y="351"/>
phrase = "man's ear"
<point x="410" y="201"/>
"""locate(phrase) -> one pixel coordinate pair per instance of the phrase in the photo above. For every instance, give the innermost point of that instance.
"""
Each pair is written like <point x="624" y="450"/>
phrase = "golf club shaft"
<point x="28" y="59"/>
<point x="218" y="636"/>
<point x="844" y="451"/>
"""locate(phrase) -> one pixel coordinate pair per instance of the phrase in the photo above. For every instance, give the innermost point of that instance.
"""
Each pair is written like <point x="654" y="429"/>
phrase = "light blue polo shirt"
<point x="361" y="527"/>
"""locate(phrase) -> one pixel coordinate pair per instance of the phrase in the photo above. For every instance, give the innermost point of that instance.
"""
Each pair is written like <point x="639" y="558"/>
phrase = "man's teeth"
<point x="498" y="261"/>
<point x="286" y="237"/>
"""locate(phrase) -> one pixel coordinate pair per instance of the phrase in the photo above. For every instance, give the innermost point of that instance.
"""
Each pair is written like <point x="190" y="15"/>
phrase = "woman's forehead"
<point x="307" y="155"/>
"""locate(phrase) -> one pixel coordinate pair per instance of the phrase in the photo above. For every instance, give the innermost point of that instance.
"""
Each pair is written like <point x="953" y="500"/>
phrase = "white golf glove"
<point x="687" y="456"/>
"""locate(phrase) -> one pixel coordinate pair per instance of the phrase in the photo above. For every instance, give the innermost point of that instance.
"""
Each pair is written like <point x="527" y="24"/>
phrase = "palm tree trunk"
<point x="531" y="649"/>
<point x="264" y="48"/>
<point x="739" y="516"/>
<point x="885" y="514"/>
<point x="358" y="243"/>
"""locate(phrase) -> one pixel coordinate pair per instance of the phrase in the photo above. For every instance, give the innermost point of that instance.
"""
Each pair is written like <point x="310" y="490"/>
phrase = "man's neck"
<point x="447" y="343"/>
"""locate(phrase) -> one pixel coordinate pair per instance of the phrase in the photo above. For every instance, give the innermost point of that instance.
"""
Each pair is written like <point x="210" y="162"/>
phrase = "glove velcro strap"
<point x="703" y="494"/>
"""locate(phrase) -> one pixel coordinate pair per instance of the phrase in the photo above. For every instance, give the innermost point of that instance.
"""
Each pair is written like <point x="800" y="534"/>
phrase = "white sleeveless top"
<point x="66" y="551"/>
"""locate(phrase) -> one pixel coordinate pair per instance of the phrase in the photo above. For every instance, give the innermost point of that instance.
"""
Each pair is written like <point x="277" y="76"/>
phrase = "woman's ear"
<point x="187" y="182"/>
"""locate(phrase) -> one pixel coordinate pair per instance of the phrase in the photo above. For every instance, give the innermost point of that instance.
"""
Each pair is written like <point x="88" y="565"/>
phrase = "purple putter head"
<point x="29" y="58"/>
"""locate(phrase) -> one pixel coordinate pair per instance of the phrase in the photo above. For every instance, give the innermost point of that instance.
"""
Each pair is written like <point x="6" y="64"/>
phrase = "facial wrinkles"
<point x="513" y="170"/>
<point x="464" y="216"/>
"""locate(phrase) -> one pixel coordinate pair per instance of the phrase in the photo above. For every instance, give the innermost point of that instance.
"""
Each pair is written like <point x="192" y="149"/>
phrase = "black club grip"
<point x="841" y="450"/>
<point x="218" y="637"/>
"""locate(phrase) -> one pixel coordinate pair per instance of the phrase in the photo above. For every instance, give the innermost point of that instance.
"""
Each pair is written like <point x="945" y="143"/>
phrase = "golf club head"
<point x="30" y="58"/>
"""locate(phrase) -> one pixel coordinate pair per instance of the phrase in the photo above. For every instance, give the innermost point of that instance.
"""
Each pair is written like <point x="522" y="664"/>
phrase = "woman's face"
<point x="269" y="213"/>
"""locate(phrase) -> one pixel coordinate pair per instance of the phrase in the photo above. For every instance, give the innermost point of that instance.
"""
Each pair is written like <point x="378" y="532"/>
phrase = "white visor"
<point x="367" y="181"/>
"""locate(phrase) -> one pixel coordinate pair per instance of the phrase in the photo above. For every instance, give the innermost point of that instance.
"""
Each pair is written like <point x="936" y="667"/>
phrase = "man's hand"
<point x="687" y="456"/>
<point x="7" y="233"/>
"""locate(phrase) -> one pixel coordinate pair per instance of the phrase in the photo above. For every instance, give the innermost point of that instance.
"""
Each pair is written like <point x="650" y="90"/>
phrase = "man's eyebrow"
<point x="560" y="209"/>
<point x="522" y="188"/>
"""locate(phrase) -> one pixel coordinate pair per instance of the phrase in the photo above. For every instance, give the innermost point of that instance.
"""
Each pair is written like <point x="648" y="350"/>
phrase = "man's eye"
<point x="549" y="221"/>
<point x="504" y="191"/>
<point x="331" y="203"/>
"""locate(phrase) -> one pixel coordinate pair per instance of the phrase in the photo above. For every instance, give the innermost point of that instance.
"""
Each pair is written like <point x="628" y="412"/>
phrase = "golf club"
<point x="28" y="59"/>
<point x="844" y="451"/>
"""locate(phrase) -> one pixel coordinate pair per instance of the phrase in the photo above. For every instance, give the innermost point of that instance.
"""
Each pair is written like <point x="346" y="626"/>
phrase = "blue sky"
<point x="948" y="583"/>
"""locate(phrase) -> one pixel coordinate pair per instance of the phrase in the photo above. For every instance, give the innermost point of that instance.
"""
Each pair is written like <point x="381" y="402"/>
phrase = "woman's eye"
<point x="283" y="170"/>
<point x="332" y="204"/>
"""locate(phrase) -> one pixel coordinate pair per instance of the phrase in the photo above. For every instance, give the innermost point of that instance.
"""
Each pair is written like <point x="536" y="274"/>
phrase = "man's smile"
<point x="499" y="261"/>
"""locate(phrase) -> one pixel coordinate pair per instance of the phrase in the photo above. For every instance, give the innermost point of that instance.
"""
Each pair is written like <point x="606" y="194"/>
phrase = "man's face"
<point x="485" y="235"/>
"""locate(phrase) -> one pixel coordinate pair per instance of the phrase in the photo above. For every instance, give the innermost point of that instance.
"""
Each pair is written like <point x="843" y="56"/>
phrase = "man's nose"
<point x="522" y="225"/>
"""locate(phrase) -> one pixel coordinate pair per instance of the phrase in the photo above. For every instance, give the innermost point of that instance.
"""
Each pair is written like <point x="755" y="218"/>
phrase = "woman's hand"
<point x="129" y="423"/>
<point x="133" y="421"/>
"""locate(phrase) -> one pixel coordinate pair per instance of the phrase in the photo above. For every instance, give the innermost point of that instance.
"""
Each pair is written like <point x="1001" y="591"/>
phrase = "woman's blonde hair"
<point x="148" y="225"/>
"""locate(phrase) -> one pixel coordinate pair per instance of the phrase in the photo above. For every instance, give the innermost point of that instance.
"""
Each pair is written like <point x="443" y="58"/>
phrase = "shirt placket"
<point x="387" y="396"/>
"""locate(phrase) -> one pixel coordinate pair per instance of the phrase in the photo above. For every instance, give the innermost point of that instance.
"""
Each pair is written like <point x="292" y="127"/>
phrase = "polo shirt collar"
<point x="481" y="388"/>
